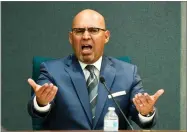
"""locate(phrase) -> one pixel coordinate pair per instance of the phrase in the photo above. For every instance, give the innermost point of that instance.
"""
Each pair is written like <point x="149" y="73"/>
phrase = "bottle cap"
<point x="111" y="108"/>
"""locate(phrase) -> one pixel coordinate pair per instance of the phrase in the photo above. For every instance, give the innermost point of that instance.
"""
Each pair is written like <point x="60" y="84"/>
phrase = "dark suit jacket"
<point x="71" y="109"/>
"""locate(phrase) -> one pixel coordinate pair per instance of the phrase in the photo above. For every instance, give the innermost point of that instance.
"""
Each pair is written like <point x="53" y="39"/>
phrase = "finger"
<point x="137" y="96"/>
<point x="139" y="99"/>
<point x="143" y="100"/>
<point x="158" y="94"/>
<point x="52" y="94"/>
<point x="32" y="83"/>
<point x="40" y="91"/>
<point x="47" y="90"/>
<point x="136" y="104"/>
<point x="149" y="99"/>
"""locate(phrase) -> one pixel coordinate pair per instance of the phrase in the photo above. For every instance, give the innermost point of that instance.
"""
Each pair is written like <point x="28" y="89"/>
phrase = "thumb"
<point x="32" y="83"/>
<point x="158" y="94"/>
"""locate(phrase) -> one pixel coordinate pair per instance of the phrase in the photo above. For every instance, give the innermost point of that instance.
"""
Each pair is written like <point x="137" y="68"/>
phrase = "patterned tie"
<point x="92" y="82"/>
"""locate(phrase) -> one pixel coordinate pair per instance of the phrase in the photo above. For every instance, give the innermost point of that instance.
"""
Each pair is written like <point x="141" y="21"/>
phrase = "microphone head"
<point x="102" y="79"/>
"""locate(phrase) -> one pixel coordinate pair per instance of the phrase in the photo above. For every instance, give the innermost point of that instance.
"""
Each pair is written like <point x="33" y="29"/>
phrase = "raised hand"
<point x="145" y="103"/>
<point x="44" y="94"/>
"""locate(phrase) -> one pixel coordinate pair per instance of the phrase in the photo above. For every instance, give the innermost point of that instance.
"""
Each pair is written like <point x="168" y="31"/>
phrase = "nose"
<point x="86" y="35"/>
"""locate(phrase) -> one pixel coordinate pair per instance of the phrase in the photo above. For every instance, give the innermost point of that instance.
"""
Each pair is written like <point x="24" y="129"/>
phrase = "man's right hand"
<point x="45" y="93"/>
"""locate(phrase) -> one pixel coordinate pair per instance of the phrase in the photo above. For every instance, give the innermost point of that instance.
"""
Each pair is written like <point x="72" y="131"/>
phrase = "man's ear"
<point x="70" y="37"/>
<point x="107" y="36"/>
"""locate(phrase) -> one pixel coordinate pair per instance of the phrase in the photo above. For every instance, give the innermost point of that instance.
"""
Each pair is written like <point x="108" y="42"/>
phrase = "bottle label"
<point x="111" y="125"/>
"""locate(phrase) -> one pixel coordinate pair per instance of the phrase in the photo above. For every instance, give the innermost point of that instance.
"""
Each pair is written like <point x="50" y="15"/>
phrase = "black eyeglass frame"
<point x="84" y="29"/>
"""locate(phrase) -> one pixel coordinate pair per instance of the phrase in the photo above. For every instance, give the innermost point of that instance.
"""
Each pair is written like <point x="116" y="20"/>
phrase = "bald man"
<point x="68" y="95"/>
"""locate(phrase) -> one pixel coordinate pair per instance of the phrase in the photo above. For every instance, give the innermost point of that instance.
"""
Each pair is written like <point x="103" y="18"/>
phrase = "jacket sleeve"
<point x="38" y="118"/>
<point x="137" y="87"/>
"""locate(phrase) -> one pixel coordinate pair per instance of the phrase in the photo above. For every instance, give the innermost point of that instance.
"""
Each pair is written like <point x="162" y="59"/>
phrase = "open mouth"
<point x="87" y="49"/>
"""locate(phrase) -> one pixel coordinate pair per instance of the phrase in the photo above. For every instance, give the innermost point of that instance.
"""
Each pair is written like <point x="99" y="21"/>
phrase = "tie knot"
<point x="90" y="68"/>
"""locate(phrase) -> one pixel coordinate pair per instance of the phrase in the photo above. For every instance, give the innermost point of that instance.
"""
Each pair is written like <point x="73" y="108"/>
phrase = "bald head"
<point x="88" y="18"/>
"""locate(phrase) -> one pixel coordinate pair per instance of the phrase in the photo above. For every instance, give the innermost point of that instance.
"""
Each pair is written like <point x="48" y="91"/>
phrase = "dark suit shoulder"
<point x="54" y="61"/>
<point x="58" y="62"/>
<point x="119" y="64"/>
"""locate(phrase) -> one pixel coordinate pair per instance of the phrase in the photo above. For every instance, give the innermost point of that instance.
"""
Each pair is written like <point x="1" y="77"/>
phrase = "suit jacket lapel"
<point x="79" y="82"/>
<point x="108" y="72"/>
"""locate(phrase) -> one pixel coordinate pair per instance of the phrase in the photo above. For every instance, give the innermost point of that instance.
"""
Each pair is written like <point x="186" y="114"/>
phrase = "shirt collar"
<point x="97" y="64"/>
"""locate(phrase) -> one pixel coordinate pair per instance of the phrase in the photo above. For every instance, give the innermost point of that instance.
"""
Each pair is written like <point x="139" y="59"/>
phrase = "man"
<point x="68" y="94"/>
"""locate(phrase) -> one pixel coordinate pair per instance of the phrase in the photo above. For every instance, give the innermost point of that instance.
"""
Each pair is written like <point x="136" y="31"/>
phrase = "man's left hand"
<point x="145" y="103"/>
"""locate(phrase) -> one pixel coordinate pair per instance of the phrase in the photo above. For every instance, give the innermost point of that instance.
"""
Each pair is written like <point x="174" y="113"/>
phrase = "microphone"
<point x="102" y="80"/>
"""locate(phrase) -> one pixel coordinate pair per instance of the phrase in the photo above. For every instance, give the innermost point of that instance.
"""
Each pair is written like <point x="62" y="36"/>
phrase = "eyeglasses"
<point x="91" y="30"/>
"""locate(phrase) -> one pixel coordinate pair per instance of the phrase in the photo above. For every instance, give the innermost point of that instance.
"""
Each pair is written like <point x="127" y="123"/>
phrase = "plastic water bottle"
<point x="111" y="121"/>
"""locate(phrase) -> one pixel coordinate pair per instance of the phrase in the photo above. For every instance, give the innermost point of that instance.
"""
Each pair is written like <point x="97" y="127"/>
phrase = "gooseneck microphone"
<point x="102" y="80"/>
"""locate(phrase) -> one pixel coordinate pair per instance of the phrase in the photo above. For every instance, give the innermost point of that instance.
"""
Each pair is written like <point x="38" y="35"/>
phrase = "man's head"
<point x="88" y="36"/>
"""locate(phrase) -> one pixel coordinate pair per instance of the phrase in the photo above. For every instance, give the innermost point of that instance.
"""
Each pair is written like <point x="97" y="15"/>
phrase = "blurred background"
<point x="152" y="34"/>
